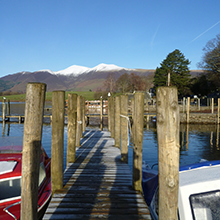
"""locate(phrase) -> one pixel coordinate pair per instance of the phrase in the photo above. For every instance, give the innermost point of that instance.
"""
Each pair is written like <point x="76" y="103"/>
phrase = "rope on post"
<point x="129" y="123"/>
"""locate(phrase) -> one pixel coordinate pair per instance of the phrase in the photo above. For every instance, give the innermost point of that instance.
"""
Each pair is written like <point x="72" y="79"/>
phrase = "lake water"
<point x="196" y="141"/>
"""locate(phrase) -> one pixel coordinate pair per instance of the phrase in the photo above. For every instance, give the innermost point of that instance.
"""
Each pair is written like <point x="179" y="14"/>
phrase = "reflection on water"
<point x="196" y="141"/>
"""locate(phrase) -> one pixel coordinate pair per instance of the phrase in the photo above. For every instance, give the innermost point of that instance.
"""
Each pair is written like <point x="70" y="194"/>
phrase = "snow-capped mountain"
<point x="77" y="70"/>
<point x="107" y="67"/>
<point x="48" y="71"/>
<point x="73" y="78"/>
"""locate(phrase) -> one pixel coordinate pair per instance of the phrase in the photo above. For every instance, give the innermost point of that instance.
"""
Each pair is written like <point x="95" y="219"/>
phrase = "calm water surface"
<point x="196" y="141"/>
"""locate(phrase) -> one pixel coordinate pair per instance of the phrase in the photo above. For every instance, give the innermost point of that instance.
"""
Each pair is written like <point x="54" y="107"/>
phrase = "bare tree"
<point x="211" y="61"/>
<point x="109" y="83"/>
<point x="122" y="83"/>
<point x="136" y="83"/>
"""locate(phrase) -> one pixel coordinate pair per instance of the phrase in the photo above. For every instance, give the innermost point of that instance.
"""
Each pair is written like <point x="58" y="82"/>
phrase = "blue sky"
<point x="56" y="34"/>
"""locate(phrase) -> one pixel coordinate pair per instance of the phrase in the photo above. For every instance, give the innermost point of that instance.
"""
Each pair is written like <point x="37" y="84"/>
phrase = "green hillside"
<point x="21" y="97"/>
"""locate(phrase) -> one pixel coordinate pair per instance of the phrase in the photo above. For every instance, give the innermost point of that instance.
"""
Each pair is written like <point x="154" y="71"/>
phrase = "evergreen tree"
<point x="177" y="65"/>
<point x="200" y="85"/>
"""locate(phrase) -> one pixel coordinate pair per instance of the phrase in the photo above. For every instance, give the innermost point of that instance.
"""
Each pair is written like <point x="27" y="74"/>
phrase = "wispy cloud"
<point x="155" y="34"/>
<point x="205" y="31"/>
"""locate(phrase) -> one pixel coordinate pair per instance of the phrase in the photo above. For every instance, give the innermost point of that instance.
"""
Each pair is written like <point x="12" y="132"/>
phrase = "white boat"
<point x="199" y="191"/>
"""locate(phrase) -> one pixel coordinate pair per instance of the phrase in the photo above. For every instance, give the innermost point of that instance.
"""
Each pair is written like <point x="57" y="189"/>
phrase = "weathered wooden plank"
<point x="96" y="167"/>
<point x="102" y="195"/>
<point x="95" y="175"/>
<point x="99" y="188"/>
<point x="86" y="200"/>
<point x="98" y="204"/>
<point x="89" y="183"/>
<point x="98" y="171"/>
<point x="96" y="178"/>
<point x="96" y="210"/>
<point x="95" y="217"/>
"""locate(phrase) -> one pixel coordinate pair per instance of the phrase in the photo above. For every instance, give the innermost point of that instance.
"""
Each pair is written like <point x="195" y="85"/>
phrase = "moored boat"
<point x="10" y="182"/>
<point x="199" y="191"/>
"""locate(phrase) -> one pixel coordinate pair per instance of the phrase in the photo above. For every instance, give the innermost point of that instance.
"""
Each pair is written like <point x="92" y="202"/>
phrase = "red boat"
<point x="10" y="182"/>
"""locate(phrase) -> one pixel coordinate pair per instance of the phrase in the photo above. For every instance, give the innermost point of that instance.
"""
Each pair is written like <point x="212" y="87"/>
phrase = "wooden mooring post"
<point x="188" y="108"/>
<point x="79" y="121"/>
<point x="82" y="105"/>
<point x="168" y="123"/>
<point x="124" y="127"/>
<point x="218" y="110"/>
<point x="58" y="108"/>
<point x="83" y="116"/>
<point x="112" y="113"/>
<point x="8" y="108"/>
<point x="101" y="114"/>
<point x="212" y="105"/>
<point x="34" y="106"/>
<point x="132" y="113"/>
<point x="109" y="114"/>
<point x="138" y="139"/>
<point x="3" y="109"/>
<point x="71" y="127"/>
<point x="184" y="104"/>
<point x="117" y="121"/>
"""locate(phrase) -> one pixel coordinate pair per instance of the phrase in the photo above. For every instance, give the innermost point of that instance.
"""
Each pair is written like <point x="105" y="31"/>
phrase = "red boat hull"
<point x="44" y="192"/>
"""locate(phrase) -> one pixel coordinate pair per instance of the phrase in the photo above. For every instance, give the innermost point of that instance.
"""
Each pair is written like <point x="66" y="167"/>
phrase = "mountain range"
<point x="73" y="78"/>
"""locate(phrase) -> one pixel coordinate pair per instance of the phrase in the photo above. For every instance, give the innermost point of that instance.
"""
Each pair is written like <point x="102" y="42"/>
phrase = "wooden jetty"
<point x="98" y="185"/>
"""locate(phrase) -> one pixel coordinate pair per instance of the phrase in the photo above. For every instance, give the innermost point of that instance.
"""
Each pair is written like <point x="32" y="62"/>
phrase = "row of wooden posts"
<point x="210" y="102"/>
<point x="168" y="122"/>
<point x="185" y="109"/>
<point x="34" y="106"/>
<point x="186" y="105"/>
<point x="4" y="107"/>
<point x="168" y="142"/>
<point x="118" y="125"/>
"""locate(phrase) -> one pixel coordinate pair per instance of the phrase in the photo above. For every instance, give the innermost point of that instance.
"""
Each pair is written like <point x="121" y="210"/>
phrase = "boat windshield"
<point x="10" y="188"/>
<point x="42" y="174"/>
<point x="206" y="205"/>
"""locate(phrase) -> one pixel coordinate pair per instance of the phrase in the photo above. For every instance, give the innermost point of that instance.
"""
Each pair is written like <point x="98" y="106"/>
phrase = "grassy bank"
<point x="21" y="97"/>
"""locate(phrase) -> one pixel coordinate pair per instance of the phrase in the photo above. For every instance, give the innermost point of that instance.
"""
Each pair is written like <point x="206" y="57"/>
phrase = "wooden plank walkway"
<point x="98" y="185"/>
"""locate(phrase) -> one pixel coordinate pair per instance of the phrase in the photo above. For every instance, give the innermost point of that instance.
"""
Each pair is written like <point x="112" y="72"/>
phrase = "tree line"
<point x="177" y="67"/>
<point x="124" y="84"/>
